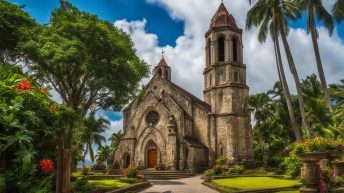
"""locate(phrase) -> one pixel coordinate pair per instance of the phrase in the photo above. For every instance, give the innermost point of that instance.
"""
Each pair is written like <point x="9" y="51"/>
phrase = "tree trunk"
<point x="59" y="171"/>
<point x="317" y="55"/>
<point x="297" y="81"/>
<point x="66" y="187"/>
<point x="286" y="92"/>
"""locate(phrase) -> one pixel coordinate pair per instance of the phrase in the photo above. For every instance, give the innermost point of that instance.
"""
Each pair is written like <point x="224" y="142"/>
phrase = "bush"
<point x="209" y="173"/>
<point x="131" y="172"/>
<point x="82" y="186"/>
<point x="222" y="160"/>
<point x="238" y="169"/>
<point x="291" y="165"/>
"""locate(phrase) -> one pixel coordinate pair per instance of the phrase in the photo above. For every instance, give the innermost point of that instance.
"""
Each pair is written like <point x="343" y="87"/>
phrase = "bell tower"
<point x="225" y="89"/>
<point x="163" y="69"/>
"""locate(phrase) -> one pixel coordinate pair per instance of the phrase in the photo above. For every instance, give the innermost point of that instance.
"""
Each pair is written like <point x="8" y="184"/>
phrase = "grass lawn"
<point x="241" y="183"/>
<point x="107" y="184"/>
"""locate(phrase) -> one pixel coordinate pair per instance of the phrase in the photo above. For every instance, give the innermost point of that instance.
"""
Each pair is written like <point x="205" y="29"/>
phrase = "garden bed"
<point x="254" y="184"/>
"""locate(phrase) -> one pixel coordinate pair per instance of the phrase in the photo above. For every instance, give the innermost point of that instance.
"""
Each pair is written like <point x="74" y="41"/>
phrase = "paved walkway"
<point x="185" y="185"/>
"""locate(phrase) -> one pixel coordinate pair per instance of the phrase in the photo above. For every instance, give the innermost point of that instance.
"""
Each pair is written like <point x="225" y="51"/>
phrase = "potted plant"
<point x="310" y="152"/>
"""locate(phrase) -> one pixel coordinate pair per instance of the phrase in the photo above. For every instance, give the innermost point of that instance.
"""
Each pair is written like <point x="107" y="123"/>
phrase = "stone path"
<point x="185" y="185"/>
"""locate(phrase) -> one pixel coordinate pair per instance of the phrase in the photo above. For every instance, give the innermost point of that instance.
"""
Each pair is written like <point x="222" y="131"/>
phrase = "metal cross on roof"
<point x="162" y="53"/>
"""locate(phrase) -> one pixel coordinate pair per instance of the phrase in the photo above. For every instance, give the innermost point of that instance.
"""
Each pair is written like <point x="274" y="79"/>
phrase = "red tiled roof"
<point x="162" y="62"/>
<point x="222" y="18"/>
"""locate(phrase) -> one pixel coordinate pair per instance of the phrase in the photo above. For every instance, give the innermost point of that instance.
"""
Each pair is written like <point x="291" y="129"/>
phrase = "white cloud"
<point x="187" y="57"/>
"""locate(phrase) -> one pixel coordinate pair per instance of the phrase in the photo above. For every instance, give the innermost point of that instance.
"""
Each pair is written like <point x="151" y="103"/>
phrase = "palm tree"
<point x="316" y="10"/>
<point x="337" y="91"/>
<point x="338" y="10"/>
<point x="93" y="133"/>
<point x="115" y="138"/>
<point x="266" y="21"/>
<point x="103" y="154"/>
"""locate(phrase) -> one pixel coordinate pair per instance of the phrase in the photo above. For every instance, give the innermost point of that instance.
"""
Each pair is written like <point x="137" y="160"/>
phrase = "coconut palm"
<point x="103" y="154"/>
<point x="93" y="133"/>
<point x="270" y="20"/>
<point x="115" y="138"/>
<point x="338" y="10"/>
<point x="316" y="11"/>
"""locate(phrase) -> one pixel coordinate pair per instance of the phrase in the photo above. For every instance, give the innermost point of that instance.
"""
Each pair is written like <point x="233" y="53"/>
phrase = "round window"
<point x="152" y="118"/>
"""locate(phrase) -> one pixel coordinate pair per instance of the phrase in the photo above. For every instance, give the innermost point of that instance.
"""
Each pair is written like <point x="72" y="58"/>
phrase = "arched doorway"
<point x="152" y="155"/>
<point x="126" y="161"/>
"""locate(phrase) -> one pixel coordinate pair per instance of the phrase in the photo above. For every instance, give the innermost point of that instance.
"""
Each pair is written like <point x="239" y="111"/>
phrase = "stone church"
<point x="166" y="126"/>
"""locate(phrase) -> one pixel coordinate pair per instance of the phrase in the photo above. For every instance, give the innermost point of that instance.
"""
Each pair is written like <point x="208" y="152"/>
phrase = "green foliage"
<point x="131" y="171"/>
<point x="28" y="128"/>
<point x="291" y="166"/>
<point x="103" y="154"/>
<point x="238" y="169"/>
<point x="115" y="139"/>
<point x="82" y="186"/>
<point x="209" y="173"/>
<point x="222" y="160"/>
<point x="93" y="133"/>
<point x="13" y="21"/>
<point x="89" y="61"/>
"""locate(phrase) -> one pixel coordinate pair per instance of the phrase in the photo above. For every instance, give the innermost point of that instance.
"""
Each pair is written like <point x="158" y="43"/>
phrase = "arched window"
<point x="160" y="72"/>
<point x="210" y="80"/>
<point x="221" y="49"/>
<point x="235" y="49"/>
<point x="236" y="76"/>
<point x="220" y="98"/>
<point x="209" y="52"/>
<point x="166" y="74"/>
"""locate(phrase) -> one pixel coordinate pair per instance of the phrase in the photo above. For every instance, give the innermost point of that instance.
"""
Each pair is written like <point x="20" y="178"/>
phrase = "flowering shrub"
<point x="319" y="144"/>
<point x="28" y="131"/>
<point x="46" y="165"/>
<point x="131" y="171"/>
<point x="327" y="180"/>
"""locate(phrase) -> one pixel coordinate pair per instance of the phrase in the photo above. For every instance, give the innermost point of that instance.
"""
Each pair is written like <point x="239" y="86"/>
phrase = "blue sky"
<point x="157" y="18"/>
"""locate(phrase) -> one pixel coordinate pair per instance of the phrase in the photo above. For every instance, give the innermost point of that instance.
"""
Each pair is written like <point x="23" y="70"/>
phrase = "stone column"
<point x="172" y="143"/>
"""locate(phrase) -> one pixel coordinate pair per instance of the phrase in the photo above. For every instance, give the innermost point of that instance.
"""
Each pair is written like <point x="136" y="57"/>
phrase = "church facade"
<point x="168" y="127"/>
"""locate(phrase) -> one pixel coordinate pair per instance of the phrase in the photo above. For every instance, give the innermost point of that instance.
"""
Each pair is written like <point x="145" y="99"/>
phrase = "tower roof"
<point x="222" y="18"/>
<point x="162" y="63"/>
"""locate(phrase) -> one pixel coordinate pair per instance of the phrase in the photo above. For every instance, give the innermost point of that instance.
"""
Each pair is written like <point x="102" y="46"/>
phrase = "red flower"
<point x="25" y="85"/>
<point x="52" y="107"/>
<point x="46" y="165"/>
<point x="45" y="90"/>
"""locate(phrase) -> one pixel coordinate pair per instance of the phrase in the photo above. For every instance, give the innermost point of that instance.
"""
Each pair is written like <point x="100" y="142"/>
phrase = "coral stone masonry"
<point x="168" y="128"/>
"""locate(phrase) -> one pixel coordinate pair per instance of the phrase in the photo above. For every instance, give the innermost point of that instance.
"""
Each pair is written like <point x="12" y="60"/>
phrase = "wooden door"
<point x="152" y="158"/>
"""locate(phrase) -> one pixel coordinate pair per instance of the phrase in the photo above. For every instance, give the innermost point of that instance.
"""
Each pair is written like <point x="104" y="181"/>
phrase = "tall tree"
<point x="93" y="133"/>
<point x="316" y="11"/>
<point x="269" y="21"/>
<point x="338" y="10"/>
<point x="91" y="63"/>
<point x="13" y="20"/>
